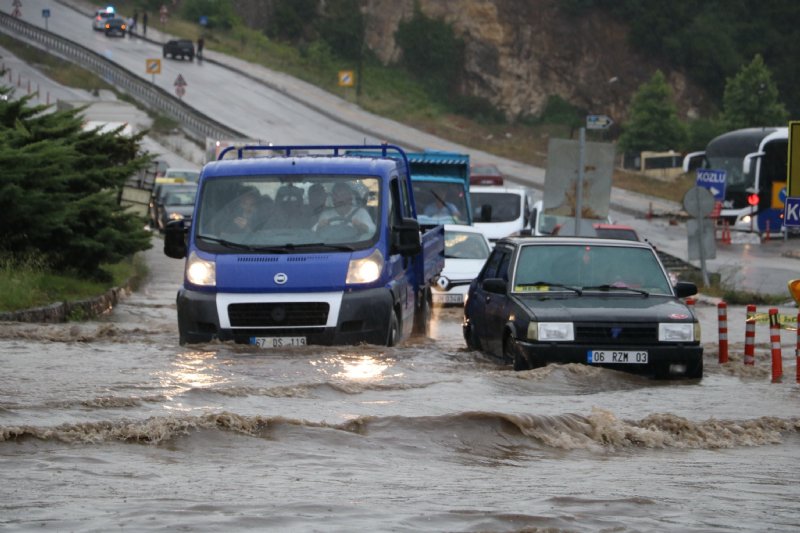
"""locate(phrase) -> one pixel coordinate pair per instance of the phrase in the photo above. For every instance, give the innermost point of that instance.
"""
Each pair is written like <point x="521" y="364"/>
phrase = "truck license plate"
<point x="278" y="342"/>
<point x="629" y="357"/>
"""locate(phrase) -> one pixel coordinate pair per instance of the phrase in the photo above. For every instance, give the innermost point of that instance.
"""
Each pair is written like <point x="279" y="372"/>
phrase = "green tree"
<point x="431" y="53"/>
<point x="751" y="98"/>
<point x="58" y="192"/>
<point x="653" y="122"/>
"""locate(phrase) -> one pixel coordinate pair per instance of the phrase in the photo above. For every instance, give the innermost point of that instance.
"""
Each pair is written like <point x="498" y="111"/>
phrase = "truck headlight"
<point x="677" y="332"/>
<point x="200" y="271"/>
<point x="551" y="331"/>
<point x="365" y="270"/>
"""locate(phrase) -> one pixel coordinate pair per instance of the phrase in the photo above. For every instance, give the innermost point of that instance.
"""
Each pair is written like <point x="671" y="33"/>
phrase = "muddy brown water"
<point x="111" y="425"/>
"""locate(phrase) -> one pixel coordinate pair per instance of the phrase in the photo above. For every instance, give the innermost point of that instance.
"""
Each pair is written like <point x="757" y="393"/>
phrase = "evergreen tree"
<point x="59" y="188"/>
<point x="751" y="98"/>
<point x="653" y="123"/>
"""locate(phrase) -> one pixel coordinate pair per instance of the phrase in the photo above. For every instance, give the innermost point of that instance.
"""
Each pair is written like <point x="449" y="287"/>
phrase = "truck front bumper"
<point x="342" y="318"/>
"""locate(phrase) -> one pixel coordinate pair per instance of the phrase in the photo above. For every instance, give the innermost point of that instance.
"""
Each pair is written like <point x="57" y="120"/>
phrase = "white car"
<point x="465" y="251"/>
<point x="500" y="211"/>
<point x="101" y="16"/>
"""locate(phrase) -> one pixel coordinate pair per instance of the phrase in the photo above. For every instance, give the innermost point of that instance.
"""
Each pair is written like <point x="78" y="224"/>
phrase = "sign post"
<point x="699" y="203"/>
<point x="180" y="86"/>
<point x="46" y="17"/>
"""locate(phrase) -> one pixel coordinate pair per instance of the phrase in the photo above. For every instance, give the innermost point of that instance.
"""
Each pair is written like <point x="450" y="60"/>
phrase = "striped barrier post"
<point x="722" y="315"/>
<point x="750" y="336"/>
<point x="775" y="342"/>
<point x="797" y="349"/>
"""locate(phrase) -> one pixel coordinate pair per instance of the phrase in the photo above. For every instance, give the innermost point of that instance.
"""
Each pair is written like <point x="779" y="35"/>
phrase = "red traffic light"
<point x="752" y="199"/>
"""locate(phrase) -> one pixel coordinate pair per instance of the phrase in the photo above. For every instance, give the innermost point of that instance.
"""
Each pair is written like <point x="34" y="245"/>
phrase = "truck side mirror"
<point x="684" y="289"/>
<point x="405" y="237"/>
<point x="175" y="239"/>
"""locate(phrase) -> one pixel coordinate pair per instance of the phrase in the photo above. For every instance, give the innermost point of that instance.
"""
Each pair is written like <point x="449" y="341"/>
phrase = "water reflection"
<point x="193" y="370"/>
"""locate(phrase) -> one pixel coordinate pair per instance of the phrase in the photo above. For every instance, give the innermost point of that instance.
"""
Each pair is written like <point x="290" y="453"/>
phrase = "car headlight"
<point x="678" y="332"/>
<point x="175" y="216"/>
<point x="365" y="270"/>
<point x="551" y="331"/>
<point x="200" y="271"/>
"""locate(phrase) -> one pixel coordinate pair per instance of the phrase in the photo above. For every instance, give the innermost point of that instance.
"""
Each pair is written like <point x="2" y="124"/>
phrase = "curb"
<point x="70" y="311"/>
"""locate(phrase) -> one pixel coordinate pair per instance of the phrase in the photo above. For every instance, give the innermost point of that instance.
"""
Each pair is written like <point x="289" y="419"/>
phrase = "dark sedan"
<point x="601" y="302"/>
<point x="115" y="26"/>
<point x="173" y="202"/>
<point x="175" y="48"/>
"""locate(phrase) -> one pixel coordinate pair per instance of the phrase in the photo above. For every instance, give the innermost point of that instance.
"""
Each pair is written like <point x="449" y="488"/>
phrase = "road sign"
<point x="45" y="13"/>
<point x="180" y="82"/>
<point x="698" y="202"/>
<point x="153" y="66"/>
<point x="180" y="90"/>
<point x="598" y="122"/>
<point x="346" y="78"/>
<point x="713" y="180"/>
<point x="791" y="214"/>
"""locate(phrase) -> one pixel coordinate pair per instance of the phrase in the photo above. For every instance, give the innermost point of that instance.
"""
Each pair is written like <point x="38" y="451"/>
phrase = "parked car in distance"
<point x="101" y="16"/>
<point x="116" y="26"/>
<point x="188" y="175"/>
<point x="183" y="48"/>
<point x="465" y="251"/>
<point x="500" y="211"/>
<point x="485" y="174"/>
<point x="157" y="199"/>
<point x="600" y="302"/>
<point x="176" y="202"/>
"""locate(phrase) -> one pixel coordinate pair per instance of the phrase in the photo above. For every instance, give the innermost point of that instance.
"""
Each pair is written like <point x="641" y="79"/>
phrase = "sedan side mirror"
<point x="495" y="285"/>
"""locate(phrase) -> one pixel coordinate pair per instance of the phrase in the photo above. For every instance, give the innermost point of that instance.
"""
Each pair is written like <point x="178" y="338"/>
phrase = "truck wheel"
<point x="394" y="330"/>
<point x="422" y="317"/>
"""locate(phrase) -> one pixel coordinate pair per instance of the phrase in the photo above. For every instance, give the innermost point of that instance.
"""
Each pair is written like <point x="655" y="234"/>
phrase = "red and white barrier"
<point x="750" y="336"/>
<point x="722" y="316"/>
<point x="775" y="342"/>
<point x="797" y="350"/>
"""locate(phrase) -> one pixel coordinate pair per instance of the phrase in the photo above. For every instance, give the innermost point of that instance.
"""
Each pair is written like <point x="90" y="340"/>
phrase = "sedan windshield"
<point x="590" y="268"/>
<point x="303" y="212"/>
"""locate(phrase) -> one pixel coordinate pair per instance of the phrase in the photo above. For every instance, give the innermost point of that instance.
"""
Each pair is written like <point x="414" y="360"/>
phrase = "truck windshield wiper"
<point x="615" y="288"/>
<point x="223" y="242"/>
<point x="548" y="284"/>
<point x="329" y="246"/>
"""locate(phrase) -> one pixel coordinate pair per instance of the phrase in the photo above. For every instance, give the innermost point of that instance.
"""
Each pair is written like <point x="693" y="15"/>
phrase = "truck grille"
<point x="616" y="333"/>
<point x="294" y="314"/>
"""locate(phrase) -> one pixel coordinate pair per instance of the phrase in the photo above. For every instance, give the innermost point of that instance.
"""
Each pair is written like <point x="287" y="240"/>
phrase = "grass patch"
<point x="27" y="283"/>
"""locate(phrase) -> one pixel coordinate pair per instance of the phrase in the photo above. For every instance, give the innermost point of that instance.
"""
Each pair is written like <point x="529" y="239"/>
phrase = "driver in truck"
<point x="344" y="213"/>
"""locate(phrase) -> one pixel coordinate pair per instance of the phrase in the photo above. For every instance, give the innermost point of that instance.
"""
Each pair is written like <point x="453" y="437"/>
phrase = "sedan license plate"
<point x="278" y="342"/>
<point x="629" y="357"/>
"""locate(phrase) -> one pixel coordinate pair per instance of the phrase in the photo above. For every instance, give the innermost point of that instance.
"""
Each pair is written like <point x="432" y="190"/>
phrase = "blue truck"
<point x="440" y="180"/>
<point x="296" y="245"/>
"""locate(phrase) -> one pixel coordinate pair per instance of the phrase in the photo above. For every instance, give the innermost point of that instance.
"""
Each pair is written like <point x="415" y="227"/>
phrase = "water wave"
<point x="598" y="431"/>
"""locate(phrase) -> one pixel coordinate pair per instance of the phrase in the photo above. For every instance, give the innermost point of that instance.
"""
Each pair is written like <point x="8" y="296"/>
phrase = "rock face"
<point x="520" y="52"/>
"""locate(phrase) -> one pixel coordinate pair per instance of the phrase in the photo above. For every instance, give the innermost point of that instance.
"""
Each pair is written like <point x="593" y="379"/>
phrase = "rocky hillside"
<point x="520" y="52"/>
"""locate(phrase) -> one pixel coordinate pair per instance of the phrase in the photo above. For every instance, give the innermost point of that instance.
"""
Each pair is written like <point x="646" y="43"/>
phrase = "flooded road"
<point x="111" y="425"/>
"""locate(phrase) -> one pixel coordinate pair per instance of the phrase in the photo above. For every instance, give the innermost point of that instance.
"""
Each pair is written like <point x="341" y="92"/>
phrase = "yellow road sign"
<point x="153" y="66"/>
<point x="346" y="78"/>
<point x="793" y="164"/>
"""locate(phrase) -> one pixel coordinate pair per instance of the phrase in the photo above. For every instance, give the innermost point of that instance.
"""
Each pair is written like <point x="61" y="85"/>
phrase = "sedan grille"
<point x="616" y="333"/>
<point x="290" y="314"/>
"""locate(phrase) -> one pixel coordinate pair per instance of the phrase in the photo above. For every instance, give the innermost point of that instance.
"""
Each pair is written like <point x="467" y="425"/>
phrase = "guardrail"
<point x="195" y="124"/>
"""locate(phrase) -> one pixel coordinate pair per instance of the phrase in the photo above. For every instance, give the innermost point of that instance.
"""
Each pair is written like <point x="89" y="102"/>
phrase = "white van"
<point x="500" y="211"/>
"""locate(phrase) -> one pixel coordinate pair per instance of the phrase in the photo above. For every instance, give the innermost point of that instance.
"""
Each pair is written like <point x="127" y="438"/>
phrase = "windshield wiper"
<point x="223" y="242"/>
<point x="548" y="284"/>
<point x="343" y="247"/>
<point x="616" y="288"/>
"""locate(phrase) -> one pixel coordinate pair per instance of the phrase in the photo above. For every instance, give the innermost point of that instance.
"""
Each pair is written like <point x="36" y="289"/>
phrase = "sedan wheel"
<point x="511" y="354"/>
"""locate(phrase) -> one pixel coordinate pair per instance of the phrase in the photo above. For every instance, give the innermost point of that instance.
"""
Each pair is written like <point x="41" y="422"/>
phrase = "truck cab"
<point x="305" y="245"/>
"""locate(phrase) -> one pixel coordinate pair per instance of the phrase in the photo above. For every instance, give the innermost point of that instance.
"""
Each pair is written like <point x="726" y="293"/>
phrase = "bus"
<point x="754" y="161"/>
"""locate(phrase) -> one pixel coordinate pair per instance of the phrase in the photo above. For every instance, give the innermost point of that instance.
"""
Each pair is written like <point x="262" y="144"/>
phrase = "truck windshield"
<point x="440" y="202"/>
<point x="500" y="206"/>
<point x="291" y="211"/>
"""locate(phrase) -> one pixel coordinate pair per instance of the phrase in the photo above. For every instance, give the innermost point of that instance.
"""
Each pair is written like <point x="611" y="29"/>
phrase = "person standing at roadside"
<point x="144" y="23"/>
<point x="200" y="44"/>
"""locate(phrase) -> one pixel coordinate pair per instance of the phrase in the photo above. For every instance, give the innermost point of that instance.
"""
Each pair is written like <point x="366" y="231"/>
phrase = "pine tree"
<point x="58" y="191"/>
<point x="653" y="123"/>
<point x="751" y="98"/>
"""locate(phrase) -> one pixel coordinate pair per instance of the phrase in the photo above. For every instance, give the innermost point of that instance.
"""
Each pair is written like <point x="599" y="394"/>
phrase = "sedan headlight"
<point x="175" y="216"/>
<point x="365" y="270"/>
<point x="551" y="331"/>
<point x="678" y="332"/>
<point x="200" y="271"/>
